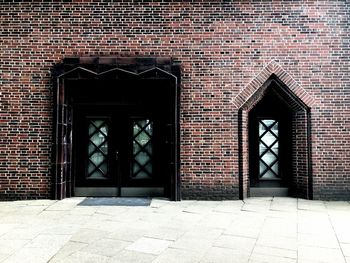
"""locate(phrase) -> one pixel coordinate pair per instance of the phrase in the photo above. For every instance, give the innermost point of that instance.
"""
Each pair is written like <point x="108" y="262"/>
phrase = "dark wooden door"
<point x="118" y="148"/>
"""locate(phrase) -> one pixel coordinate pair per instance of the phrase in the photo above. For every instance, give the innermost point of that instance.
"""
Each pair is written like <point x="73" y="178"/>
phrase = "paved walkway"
<point x="256" y="230"/>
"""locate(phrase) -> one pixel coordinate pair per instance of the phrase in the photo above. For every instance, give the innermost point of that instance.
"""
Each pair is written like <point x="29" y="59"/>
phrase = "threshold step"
<point x="268" y="191"/>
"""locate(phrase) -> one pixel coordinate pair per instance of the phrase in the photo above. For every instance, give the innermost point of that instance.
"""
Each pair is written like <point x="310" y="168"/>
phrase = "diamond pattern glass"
<point x="97" y="149"/>
<point x="268" y="149"/>
<point x="142" y="165"/>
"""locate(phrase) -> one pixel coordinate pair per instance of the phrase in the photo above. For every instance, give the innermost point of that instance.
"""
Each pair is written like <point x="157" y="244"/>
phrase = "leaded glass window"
<point x="142" y="143"/>
<point x="97" y="151"/>
<point x="268" y="149"/>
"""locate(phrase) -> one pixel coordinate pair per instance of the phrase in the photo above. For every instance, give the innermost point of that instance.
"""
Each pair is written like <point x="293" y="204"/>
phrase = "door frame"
<point x="94" y="68"/>
<point x="274" y="78"/>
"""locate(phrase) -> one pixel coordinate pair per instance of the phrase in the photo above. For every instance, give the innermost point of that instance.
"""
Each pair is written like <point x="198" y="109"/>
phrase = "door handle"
<point x="116" y="155"/>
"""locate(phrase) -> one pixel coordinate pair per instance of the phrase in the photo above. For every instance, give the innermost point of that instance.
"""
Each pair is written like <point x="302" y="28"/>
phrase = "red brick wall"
<point x="222" y="45"/>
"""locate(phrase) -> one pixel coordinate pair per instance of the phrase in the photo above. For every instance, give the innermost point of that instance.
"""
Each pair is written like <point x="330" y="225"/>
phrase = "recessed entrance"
<point x="269" y="146"/>
<point x="274" y="139"/>
<point x="117" y="128"/>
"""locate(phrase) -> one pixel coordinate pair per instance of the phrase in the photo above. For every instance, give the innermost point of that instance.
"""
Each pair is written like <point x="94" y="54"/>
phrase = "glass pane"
<point x="275" y="128"/>
<point x="262" y="148"/>
<point x="97" y="149"/>
<point x="274" y="148"/>
<point x="268" y="139"/>
<point x="142" y="175"/>
<point x="262" y="168"/>
<point x="91" y="168"/>
<point x="97" y="123"/>
<point x="275" y="168"/>
<point x="97" y="175"/>
<point x="268" y="123"/>
<point x="103" y="168"/>
<point x="97" y="158"/>
<point x="148" y="168"/>
<point x="91" y="148"/>
<point x="262" y="129"/>
<point x="142" y="149"/>
<point x="268" y="158"/>
<point x="142" y="158"/>
<point x="269" y="175"/>
<point x="92" y="129"/>
<point x="142" y="138"/>
<point x="136" y="147"/>
<point x="136" y="168"/>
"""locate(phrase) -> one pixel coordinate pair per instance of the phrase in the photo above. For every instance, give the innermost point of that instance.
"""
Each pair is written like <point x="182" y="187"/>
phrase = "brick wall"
<point x="222" y="46"/>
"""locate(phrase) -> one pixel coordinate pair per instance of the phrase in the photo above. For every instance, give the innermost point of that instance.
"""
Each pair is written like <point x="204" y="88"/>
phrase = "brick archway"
<point x="273" y="76"/>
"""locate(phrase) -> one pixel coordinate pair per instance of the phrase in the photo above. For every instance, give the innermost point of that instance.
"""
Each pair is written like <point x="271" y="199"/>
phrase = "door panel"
<point x="117" y="152"/>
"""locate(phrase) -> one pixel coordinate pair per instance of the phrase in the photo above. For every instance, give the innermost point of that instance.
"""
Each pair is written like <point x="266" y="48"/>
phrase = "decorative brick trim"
<point x="272" y="68"/>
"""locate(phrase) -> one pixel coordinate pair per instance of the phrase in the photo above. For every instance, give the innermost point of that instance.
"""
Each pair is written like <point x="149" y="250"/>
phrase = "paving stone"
<point x="86" y="235"/>
<point x="32" y="255"/>
<point x="346" y="249"/>
<point x="252" y="232"/>
<point x="204" y="208"/>
<point x="6" y="228"/>
<point x="275" y="252"/>
<point x="127" y="256"/>
<point x="343" y="234"/>
<point x="48" y="241"/>
<point x="320" y="254"/>
<point x="278" y="242"/>
<point x="22" y="233"/>
<point x="159" y="202"/>
<point x="261" y="258"/>
<point x="9" y="247"/>
<point x="260" y="208"/>
<point x="272" y="230"/>
<point x="315" y="228"/>
<point x="173" y="255"/>
<point x="85" y="257"/>
<point x="165" y="233"/>
<point x="3" y="257"/>
<point x="237" y="243"/>
<point x="127" y="234"/>
<point x="189" y="218"/>
<point x="280" y="227"/>
<point x="217" y="220"/>
<point x="311" y="205"/>
<point x="105" y="247"/>
<point x="149" y="245"/>
<point x="292" y="215"/>
<point x="195" y="244"/>
<point x="229" y="207"/>
<point x="204" y="232"/>
<point x="249" y="219"/>
<point x="326" y="241"/>
<point x="68" y="249"/>
<point x="103" y="225"/>
<point x="224" y="255"/>
<point x="42" y="202"/>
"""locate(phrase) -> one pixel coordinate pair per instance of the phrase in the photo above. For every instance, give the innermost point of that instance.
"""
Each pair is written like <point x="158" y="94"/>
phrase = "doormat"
<point x="115" y="201"/>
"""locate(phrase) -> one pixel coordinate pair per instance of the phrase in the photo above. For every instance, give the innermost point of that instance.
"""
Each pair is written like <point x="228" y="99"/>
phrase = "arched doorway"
<point x="274" y="143"/>
<point x="270" y="144"/>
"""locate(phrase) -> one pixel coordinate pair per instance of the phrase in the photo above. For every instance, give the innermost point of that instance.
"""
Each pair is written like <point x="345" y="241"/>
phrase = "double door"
<point x="118" y="152"/>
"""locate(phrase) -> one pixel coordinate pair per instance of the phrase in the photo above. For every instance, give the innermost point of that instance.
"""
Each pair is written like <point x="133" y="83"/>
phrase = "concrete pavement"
<point x="256" y="230"/>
